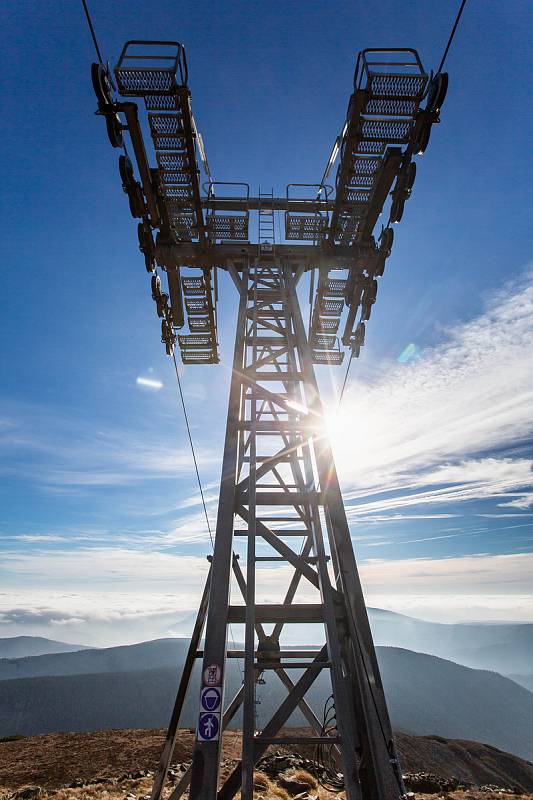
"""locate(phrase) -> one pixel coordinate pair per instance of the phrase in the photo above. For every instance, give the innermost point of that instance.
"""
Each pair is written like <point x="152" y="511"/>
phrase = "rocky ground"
<point x="119" y="765"/>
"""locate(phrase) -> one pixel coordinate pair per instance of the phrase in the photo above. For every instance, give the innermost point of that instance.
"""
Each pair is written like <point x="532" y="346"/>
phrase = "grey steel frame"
<point x="277" y="458"/>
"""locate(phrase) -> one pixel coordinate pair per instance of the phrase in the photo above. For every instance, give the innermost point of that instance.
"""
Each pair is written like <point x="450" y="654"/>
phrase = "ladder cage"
<point x="390" y="73"/>
<point x="163" y="75"/>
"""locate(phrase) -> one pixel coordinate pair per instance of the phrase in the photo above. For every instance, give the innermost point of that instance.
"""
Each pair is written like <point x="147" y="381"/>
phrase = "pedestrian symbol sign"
<point x="211" y="698"/>
<point x="208" y="727"/>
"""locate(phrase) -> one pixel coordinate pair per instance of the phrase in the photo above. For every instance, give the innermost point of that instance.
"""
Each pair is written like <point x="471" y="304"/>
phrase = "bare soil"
<point x="119" y="764"/>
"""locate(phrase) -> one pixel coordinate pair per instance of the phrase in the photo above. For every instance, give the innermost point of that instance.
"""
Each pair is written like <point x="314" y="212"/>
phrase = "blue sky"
<point x="102" y="536"/>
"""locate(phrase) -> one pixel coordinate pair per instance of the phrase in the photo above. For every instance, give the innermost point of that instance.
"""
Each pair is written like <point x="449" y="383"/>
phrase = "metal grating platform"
<point x="169" y="178"/>
<point x="173" y="161"/>
<point x="165" y="124"/>
<point x="151" y="68"/>
<point x="194" y="341"/>
<point x="322" y="341"/>
<point x="196" y="305"/>
<point x="390" y="107"/>
<point x="411" y="86"/>
<point x="360" y="196"/>
<point x="140" y="82"/>
<point x="199" y="323"/>
<point x="175" y="192"/>
<point x="330" y="307"/>
<point x="227" y="227"/>
<point x="305" y="227"/>
<point x="335" y="287"/>
<point x="198" y="357"/>
<point x="364" y="165"/>
<point x="383" y="130"/>
<point x="328" y="357"/>
<point x="170" y="142"/>
<point x="161" y="102"/>
<point x="193" y="286"/>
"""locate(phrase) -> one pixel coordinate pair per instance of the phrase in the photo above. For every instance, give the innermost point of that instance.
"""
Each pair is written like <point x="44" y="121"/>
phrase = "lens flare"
<point x="149" y="383"/>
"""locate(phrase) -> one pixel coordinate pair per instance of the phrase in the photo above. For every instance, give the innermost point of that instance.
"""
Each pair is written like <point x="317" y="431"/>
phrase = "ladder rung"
<point x="282" y="426"/>
<point x="283" y="377"/>
<point x="297" y="739"/>
<point x="284" y="498"/>
<point x="274" y="612"/>
<point x="278" y="533"/>
<point x="275" y="654"/>
<point x="308" y="559"/>
<point x="270" y="664"/>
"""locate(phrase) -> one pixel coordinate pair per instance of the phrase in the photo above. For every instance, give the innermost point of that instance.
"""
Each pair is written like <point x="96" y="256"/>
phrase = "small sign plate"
<point x="211" y="698"/>
<point x="212" y="675"/>
<point x="209" y="727"/>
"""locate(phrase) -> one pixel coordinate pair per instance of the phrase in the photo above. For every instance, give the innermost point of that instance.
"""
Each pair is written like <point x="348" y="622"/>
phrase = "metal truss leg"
<point x="279" y="481"/>
<point x="170" y="741"/>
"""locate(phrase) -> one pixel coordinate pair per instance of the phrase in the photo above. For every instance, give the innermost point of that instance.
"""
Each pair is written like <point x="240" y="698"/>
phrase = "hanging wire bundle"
<point x="325" y="757"/>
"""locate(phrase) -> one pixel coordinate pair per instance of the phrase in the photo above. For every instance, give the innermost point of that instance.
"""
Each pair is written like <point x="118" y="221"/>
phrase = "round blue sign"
<point x="211" y="698"/>
<point x="208" y="727"/>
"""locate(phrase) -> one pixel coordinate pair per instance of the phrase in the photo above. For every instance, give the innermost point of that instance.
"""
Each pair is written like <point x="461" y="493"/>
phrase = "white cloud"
<point x="139" y="596"/>
<point x="475" y="587"/>
<point x="525" y="502"/>
<point x="106" y="564"/>
<point x="479" y="479"/>
<point x="427" y="422"/>
<point x="63" y="453"/>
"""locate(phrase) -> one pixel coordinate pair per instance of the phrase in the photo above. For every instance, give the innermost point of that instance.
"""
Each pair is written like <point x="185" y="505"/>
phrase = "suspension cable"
<point x="452" y="34"/>
<point x="192" y="449"/>
<point x="91" y="28"/>
<point x="346" y="377"/>
<point x="239" y="665"/>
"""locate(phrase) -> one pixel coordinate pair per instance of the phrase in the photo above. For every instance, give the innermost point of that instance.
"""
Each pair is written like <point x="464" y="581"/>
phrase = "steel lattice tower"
<point x="279" y="490"/>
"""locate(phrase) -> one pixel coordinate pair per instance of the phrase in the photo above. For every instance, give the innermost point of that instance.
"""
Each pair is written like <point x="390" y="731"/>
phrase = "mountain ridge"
<point x="33" y="646"/>
<point x="426" y="695"/>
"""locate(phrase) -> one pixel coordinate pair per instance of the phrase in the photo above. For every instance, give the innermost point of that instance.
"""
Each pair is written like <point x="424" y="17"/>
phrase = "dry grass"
<point x="266" y="788"/>
<point x="305" y="777"/>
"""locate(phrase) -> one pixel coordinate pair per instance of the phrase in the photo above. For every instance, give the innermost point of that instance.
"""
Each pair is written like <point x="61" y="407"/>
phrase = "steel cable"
<point x="452" y="34"/>
<point x="91" y="28"/>
<point x="241" y="669"/>
<point x="192" y="449"/>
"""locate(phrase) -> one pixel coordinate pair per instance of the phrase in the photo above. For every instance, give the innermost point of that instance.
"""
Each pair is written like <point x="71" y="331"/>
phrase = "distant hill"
<point x="503" y="647"/>
<point x="429" y="695"/>
<point x="146" y="655"/>
<point x="523" y="680"/>
<point x="469" y="762"/>
<point x="426" y="695"/>
<point x="22" y="646"/>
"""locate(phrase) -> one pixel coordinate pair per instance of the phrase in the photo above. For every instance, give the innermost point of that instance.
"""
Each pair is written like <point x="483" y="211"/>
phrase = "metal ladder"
<point x="267" y="235"/>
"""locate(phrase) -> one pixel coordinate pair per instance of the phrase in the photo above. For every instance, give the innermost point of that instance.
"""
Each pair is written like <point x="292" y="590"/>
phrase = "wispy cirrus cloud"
<point x="525" y="501"/>
<point x="478" y="479"/>
<point x="62" y="453"/>
<point x="434" y="421"/>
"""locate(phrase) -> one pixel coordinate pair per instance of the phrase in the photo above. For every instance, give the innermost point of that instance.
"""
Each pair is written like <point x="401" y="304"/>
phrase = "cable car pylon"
<point x="280" y="510"/>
